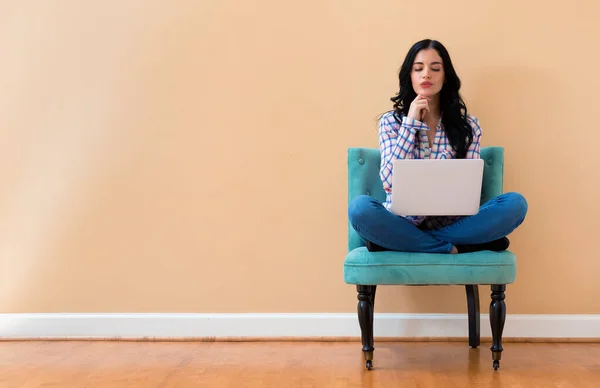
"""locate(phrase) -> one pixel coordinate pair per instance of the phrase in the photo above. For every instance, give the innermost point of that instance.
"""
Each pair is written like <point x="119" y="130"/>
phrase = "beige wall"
<point x="115" y="198"/>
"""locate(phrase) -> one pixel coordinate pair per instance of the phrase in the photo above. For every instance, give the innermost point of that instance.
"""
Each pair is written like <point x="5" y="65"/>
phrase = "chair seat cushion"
<point x="390" y="267"/>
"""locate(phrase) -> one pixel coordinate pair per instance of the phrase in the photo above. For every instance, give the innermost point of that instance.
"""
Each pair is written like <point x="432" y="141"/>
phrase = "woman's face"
<point x="427" y="73"/>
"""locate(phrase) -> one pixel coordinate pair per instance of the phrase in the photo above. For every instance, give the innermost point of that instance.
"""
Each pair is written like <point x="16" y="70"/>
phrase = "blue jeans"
<point x="497" y="218"/>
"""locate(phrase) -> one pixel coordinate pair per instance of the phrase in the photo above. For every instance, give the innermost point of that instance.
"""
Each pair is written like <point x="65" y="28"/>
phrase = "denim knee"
<point x="359" y="208"/>
<point x="517" y="204"/>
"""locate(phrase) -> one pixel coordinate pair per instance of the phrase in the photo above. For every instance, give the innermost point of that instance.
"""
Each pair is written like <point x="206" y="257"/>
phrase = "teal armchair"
<point x="367" y="270"/>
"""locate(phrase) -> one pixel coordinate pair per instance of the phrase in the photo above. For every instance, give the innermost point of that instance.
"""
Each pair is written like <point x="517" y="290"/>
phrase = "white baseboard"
<point x="215" y="326"/>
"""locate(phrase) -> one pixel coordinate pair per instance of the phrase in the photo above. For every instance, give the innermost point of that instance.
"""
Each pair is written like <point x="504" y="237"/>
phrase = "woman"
<point x="429" y="120"/>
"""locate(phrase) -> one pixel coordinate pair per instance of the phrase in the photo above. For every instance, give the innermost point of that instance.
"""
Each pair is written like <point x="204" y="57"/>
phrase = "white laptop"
<point x="436" y="187"/>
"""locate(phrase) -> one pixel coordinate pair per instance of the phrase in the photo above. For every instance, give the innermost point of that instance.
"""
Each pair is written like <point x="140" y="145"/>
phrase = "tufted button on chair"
<point x="367" y="269"/>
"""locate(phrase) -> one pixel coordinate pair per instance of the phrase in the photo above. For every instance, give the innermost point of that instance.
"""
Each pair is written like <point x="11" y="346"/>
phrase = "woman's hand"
<point x="418" y="108"/>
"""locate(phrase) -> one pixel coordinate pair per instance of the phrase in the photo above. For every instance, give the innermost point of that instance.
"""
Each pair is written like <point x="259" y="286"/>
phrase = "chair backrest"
<point x="363" y="178"/>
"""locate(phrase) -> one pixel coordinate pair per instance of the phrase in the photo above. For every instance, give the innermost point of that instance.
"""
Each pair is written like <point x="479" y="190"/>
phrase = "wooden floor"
<point x="299" y="364"/>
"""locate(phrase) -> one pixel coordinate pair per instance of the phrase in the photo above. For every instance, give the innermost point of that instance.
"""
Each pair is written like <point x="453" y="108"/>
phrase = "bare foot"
<point x="454" y="250"/>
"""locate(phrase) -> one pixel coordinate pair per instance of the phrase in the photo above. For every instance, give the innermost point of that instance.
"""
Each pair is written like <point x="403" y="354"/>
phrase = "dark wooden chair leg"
<point x="366" y="301"/>
<point x="474" y="316"/>
<point x="497" y="318"/>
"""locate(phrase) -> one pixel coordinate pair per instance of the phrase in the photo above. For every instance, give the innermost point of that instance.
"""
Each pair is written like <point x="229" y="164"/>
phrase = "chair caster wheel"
<point x="369" y="364"/>
<point x="496" y="364"/>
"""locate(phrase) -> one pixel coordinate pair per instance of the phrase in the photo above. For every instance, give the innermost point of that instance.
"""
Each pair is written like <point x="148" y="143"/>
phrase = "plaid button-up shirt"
<point x="409" y="141"/>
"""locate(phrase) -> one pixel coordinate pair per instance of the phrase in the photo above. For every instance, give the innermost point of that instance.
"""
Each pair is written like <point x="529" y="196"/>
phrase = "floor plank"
<point x="289" y="364"/>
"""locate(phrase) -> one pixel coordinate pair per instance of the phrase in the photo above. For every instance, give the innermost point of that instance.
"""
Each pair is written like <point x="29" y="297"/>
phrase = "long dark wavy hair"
<point x="452" y="106"/>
